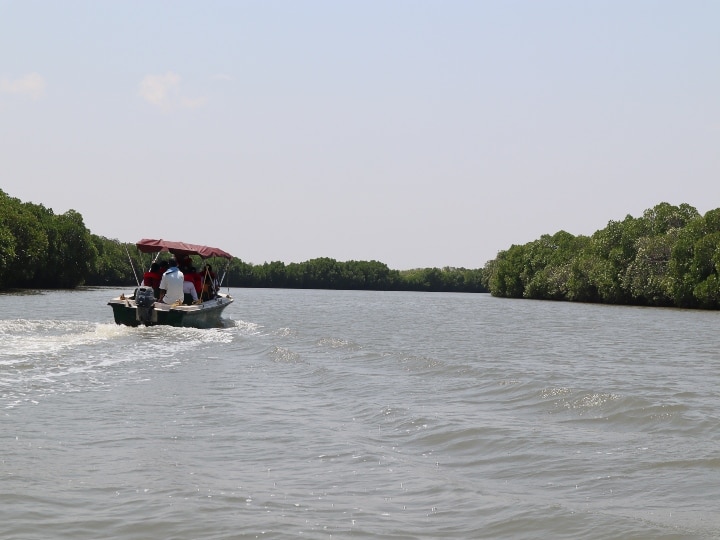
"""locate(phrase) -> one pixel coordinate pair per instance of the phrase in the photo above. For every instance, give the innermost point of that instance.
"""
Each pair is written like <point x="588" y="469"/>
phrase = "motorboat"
<point x="142" y="308"/>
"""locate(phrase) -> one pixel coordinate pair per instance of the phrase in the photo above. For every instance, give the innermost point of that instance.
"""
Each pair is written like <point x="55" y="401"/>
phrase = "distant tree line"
<point x="39" y="249"/>
<point x="326" y="273"/>
<point x="668" y="257"/>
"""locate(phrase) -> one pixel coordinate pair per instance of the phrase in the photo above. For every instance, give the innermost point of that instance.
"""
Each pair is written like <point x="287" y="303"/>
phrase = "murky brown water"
<point x="324" y="414"/>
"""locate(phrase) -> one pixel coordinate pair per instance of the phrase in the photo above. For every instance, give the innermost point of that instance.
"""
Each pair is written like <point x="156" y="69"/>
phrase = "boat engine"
<point x="144" y="300"/>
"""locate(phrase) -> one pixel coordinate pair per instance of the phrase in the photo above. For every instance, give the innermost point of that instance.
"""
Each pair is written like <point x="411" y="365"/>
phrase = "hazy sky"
<point x="417" y="133"/>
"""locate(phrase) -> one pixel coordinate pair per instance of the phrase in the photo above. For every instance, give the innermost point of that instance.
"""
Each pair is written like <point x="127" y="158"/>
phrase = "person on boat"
<point x="185" y="262"/>
<point x="189" y="290"/>
<point x="171" y="284"/>
<point x="197" y="280"/>
<point x="209" y="283"/>
<point x="152" y="278"/>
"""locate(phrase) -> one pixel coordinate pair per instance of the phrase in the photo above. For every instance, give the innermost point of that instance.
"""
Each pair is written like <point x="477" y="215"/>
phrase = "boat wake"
<point x="41" y="357"/>
<point x="47" y="339"/>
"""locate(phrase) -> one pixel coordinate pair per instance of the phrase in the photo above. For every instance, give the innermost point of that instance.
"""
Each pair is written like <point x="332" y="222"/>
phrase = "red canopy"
<point x="180" y="248"/>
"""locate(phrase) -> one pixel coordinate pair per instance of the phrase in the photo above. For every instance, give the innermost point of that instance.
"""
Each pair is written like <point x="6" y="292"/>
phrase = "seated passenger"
<point x="209" y="283"/>
<point x="196" y="279"/>
<point x="171" y="288"/>
<point x="152" y="278"/>
<point x="189" y="291"/>
<point x="185" y="261"/>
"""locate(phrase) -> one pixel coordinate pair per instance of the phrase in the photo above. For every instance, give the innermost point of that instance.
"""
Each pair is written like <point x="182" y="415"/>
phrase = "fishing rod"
<point x="137" y="280"/>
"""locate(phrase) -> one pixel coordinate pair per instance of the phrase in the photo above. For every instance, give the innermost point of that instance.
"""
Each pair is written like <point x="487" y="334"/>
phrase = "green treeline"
<point x="326" y="273"/>
<point x="668" y="257"/>
<point x="39" y="249"/>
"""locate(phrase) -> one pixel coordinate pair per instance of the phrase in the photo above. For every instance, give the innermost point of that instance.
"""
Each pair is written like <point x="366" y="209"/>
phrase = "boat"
<point x="141" y="308"/>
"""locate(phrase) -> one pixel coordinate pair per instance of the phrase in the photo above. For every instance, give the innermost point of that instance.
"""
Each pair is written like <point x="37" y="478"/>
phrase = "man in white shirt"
<point x="171" y="284"/>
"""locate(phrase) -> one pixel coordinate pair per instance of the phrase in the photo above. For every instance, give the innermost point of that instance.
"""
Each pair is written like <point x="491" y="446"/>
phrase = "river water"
<point x="343" y="414"/>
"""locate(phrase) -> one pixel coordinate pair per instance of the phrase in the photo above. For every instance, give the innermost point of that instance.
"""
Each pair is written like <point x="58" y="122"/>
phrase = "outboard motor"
<point x="144" y="299"/>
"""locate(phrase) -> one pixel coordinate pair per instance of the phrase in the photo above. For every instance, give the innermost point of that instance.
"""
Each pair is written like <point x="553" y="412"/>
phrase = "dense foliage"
<point x="41" y="250"/>
<point x="326" y="273"/>
<point x="114" y="268"/>
<point x="668" y="257"/>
